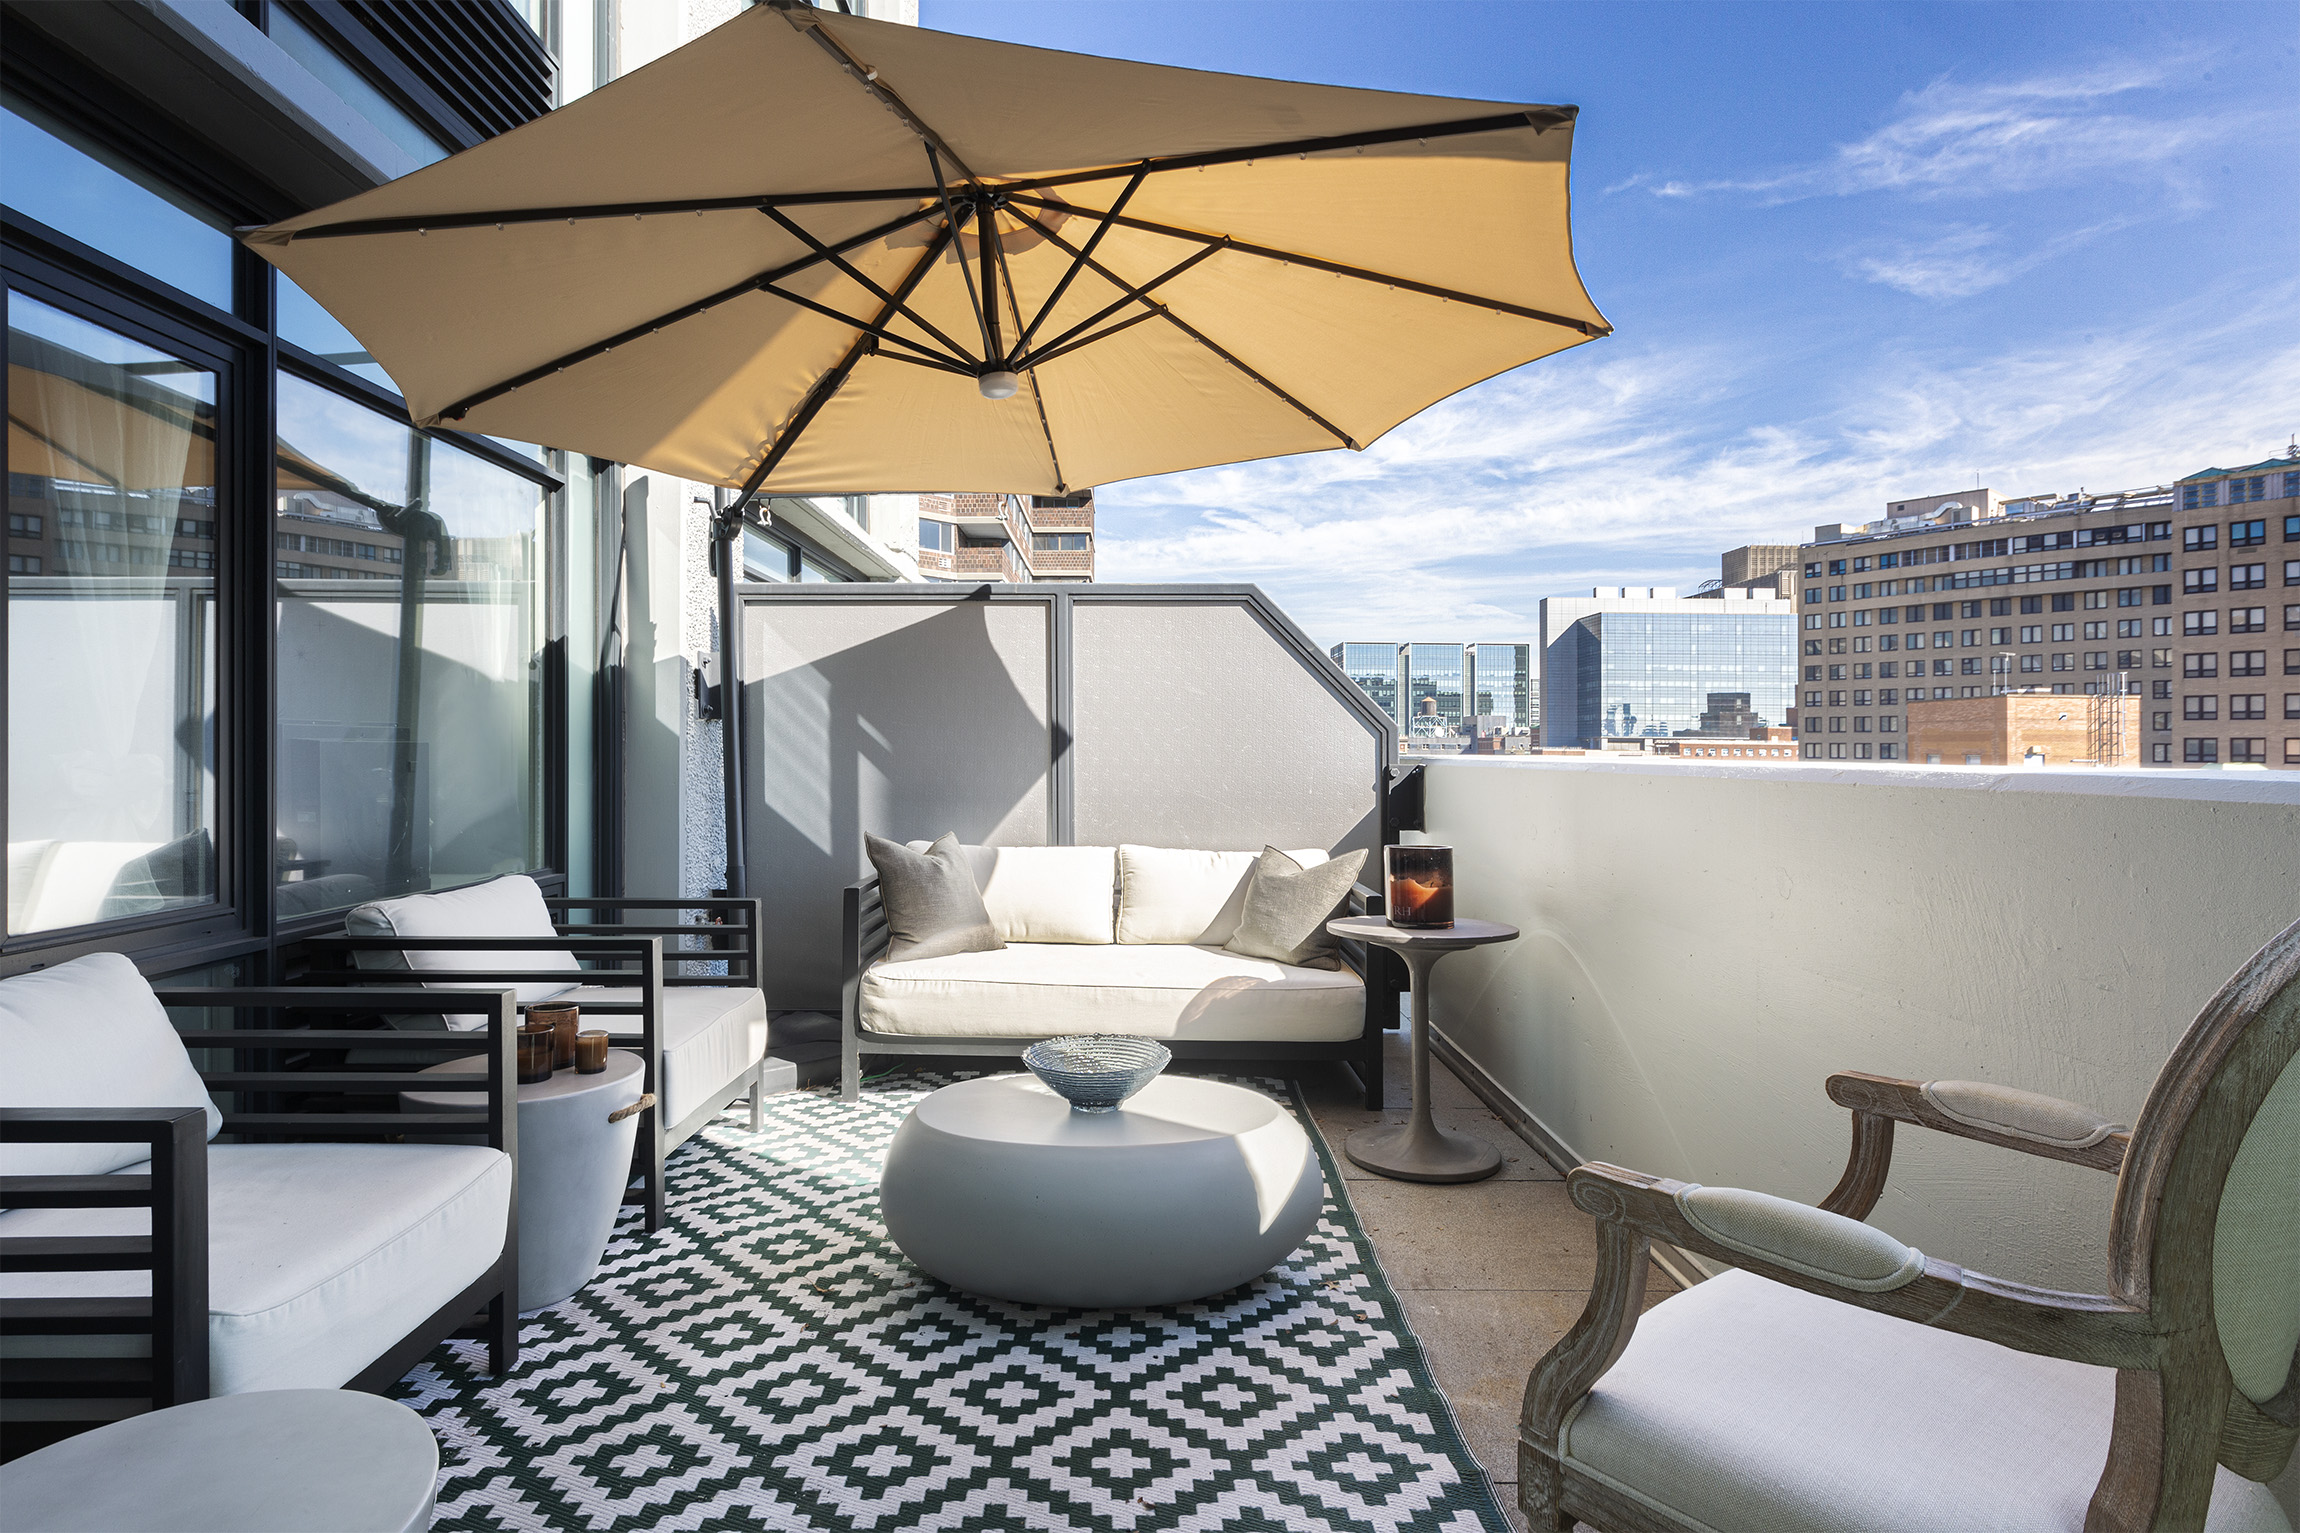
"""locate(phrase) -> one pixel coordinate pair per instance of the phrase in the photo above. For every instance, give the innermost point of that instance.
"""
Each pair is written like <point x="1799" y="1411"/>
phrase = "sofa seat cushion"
<point x="1744" y="1403"/>
<point x="710" y="1033"/>
<point x="1047" y="990"/>
<point x="510" y="906"/>
<point x="320" y="1256"/>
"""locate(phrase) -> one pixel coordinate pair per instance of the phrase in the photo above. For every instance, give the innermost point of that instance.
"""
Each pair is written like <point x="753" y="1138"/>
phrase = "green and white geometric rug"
<point x="770" y="1360"/>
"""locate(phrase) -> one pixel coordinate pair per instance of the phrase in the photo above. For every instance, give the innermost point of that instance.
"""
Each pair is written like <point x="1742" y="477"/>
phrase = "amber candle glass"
<point x="591" y="1052"/>
<point x="537" y="1046"/>
<point x="1420" y="885"/>
<point x="563" y="1020"/>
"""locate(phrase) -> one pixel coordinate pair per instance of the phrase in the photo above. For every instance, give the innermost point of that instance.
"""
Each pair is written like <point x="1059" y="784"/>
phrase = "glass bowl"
<point x="1096" y="1072"/>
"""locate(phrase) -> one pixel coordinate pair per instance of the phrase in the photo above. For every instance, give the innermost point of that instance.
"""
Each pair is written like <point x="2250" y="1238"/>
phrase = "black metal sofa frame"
<point x="863" y="938"/>
<point x="630" y="956"/>
<point x="281" y="1073"/>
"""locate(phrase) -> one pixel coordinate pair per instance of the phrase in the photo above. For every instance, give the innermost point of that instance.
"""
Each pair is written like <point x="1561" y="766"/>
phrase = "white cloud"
<point x="1969" y="140"/>
<point x="1616" y="469"/>
<point x="1964" y="259"/>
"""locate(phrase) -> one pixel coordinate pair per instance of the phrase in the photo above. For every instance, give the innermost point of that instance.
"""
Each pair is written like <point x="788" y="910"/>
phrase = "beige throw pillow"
<point x="1288" y="905"/>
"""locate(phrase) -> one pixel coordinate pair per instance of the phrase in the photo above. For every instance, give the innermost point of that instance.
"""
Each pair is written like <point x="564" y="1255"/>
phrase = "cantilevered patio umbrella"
<point x="810" y="253"/>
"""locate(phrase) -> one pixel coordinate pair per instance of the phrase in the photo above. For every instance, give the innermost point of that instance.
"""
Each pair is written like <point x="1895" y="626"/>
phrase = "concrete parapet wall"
<point x="1705" y="944"/>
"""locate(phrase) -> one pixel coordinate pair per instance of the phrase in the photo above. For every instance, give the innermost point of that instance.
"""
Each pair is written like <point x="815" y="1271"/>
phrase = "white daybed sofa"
<point x="1102" y="939"/>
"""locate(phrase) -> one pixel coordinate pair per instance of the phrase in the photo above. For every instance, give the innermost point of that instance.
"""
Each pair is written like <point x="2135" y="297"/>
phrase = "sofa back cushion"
<point x="510" y="906"/>
<point x="90" y="1033"/>
<point x="1046" y="893"/>
<point x="1169" y="895"/>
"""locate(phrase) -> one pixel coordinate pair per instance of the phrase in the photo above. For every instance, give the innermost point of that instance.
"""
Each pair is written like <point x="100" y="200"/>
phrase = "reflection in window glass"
<point x="304" y="322"/>
<point x="811" y="573"/>
<point x="410" y="638"/>
<point x="306" y="48"/>
<point x="765" y="556"/>
<point x="112" y="206"/>
<point x="111" y="625"/>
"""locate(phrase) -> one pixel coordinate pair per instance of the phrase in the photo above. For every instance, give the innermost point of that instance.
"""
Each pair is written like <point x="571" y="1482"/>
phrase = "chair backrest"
<point x="90" y="1034"/>
<point x="510" y="906"/>
<point x="2206" y="1231"/>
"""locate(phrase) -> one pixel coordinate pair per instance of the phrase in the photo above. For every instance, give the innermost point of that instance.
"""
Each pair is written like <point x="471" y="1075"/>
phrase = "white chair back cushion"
<point x="1167" y="895"/>
<point x="90" y="1033"/>
<point x="510" y="906"/>
<point x="2256" y="1246"/>
<point x="1046" y="893"/>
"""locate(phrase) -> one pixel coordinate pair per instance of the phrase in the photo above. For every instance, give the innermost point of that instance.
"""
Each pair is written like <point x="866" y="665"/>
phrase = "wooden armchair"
<point x="1840" y="1379"/>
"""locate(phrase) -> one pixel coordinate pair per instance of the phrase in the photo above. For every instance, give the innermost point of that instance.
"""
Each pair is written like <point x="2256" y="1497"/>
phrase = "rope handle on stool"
<point x="641" y="1105"/>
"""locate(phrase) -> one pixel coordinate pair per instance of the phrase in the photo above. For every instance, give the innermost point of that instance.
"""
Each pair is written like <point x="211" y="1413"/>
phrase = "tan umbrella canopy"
<point x="811" y="253"/>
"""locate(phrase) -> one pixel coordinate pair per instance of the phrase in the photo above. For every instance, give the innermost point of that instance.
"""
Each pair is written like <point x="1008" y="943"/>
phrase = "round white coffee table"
<point x="276" y="1461"/>
<point x="1191" y="1188"/>
<point x="574" y="1162"/>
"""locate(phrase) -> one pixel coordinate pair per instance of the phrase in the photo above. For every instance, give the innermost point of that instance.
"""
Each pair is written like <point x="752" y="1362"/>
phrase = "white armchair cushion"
<point x="511" y="906"/>
<point x="1170" y="895"/>
<point x="320" y="1256"/>
<point x="711" y="1035"/>
<point x="89" y="1033"/>
<point x="1742" y="1403"/>
<point x="1046" y="893"/>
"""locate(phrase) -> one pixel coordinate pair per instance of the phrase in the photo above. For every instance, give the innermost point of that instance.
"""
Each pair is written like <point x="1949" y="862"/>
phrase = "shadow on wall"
<point x="905" y="720"/>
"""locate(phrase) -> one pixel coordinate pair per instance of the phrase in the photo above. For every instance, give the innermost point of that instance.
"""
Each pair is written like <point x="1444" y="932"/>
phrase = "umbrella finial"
<point x="997" y="383"/>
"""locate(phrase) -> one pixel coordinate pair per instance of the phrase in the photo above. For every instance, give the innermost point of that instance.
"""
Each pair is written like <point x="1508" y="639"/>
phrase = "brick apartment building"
<point x="975" y="536"/>
<point x="2186" y="596"/>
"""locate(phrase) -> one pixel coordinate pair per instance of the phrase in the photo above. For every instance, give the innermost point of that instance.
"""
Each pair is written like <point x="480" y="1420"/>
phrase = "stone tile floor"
<point x="1491" y="1273"/>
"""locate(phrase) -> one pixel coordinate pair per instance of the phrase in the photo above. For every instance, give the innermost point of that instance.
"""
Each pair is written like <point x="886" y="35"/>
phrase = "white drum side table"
<point x="573" y="1166"/>
<point x="276" y="1461"/>
<point x="1191" y="1188"/>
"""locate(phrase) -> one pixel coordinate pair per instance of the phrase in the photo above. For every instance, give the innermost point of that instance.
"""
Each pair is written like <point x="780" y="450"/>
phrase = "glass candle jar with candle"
<point x="538" y="1043"/>
<point x="1419" y="882"/>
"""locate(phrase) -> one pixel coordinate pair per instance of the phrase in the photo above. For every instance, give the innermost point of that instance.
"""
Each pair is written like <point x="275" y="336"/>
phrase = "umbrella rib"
<point x="855" y="272"/>
<point x="955" y="363"/>
<point x="1059" y="352"/>
<point x="1061" y="343"/>
<point x="926" y="362"/>
<point x="950" y="213"/>
<point x="470" y="402"/>
<point x="1078" y="265"/>
<point x="831" y="382"/>
<point x="807" y="20"/>
<point x="1540" y="119"/>
<point x="422" y="223"/>
<point x="1176" y="320"/>
<point x="1014" y="306"/>
<point x="1362" y="274"/>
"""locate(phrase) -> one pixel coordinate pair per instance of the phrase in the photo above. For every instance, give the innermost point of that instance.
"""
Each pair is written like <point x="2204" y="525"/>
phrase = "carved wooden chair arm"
<point x="1812" y="1249"/>
<point x="2004" y="1116"/>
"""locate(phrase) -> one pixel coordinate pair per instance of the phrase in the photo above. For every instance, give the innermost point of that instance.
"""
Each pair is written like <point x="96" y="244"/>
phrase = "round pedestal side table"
<point x="1190" y="1188"/>
<point x="1417" y="1150"/>
<point x="574" y="1162"/>
<point x="275" y="1461"/>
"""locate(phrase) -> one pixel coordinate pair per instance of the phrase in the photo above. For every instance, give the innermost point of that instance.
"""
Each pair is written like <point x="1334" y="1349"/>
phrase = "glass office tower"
<point x="1501" y="683"/>
<point x="1434" y="689"/>
<point x="1652" y="673"/>
<point x="1374" y="667"/>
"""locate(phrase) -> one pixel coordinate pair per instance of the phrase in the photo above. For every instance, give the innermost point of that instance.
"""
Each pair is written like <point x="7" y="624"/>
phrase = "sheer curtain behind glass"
<point x="111" y="624"/>
<point x="411" y="617"/>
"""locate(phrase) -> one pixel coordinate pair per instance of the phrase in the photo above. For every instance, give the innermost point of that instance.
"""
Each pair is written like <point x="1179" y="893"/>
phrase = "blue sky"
<point x="1851" y="252"/>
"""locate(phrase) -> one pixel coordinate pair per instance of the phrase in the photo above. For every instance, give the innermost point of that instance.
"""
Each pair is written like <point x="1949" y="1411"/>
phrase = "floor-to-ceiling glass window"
<point x="111" y="623"/>
<point x="410" y="662"/>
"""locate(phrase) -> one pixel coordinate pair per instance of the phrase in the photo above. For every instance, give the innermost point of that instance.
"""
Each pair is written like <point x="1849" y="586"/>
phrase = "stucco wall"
<point x="1704" y="945"/>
